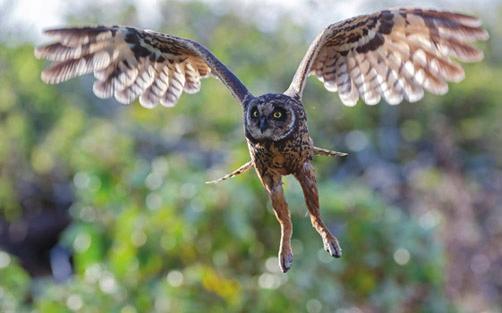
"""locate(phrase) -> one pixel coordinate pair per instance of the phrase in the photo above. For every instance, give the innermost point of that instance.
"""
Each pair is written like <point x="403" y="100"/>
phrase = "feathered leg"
<point x="238" y="171"/>
<point x="273" y="184"/>
<point x="307" y="179"/>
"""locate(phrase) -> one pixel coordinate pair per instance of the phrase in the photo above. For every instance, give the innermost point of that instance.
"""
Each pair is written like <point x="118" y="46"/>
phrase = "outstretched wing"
<point x="393" y="53"/>
<point x="129" y="63"/>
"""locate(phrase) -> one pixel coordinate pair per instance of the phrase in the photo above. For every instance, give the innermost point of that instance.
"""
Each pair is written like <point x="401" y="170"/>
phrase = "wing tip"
<point x="147" y="102"/>
<point x="48" y="78"/>
<point x="56" y="31"/>
<point x="38" y="52"/>
<point x="484" y="34"/>
<point x="348" y="102"/>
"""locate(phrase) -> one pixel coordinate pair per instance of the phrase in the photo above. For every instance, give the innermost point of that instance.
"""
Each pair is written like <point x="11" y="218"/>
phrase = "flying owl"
<point x="395" y="54"/>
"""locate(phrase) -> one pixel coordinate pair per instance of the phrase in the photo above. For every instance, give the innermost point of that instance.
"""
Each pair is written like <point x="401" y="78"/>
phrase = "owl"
<point x="392" y="54"/>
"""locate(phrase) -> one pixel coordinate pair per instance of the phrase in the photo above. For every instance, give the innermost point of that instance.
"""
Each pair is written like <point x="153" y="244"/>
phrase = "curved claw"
<point x="332" y="247"/>
<point x="285" y="261"/>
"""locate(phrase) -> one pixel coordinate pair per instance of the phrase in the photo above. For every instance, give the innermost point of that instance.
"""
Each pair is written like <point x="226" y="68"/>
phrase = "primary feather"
<point x="129" y="63"/>
<point x="394" y="54"/>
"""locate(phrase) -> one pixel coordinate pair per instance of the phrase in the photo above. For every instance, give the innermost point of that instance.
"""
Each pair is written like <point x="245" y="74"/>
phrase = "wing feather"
<point x="394" y="54"/>
<point x="129" y="63"/>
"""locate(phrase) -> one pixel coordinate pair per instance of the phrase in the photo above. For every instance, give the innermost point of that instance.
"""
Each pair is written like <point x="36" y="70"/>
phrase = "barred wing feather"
<point x="129" y="63"/>
<point x="394" y="54"/>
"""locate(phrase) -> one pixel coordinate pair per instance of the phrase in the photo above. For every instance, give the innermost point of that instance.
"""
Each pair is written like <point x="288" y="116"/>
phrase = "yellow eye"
<point x="255" y="113"/>
<point x="277" y="114"/>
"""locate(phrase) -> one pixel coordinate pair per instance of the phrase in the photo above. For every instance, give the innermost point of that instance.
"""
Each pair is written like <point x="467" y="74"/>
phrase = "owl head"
<point x="271" y="117"/>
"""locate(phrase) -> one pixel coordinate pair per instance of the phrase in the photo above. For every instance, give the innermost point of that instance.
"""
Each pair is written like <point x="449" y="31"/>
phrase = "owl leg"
<point x="326" y="152"/>
<point x="238" y="171"/>
<point x="273" y="185"/>
<point x="306" y="177"/>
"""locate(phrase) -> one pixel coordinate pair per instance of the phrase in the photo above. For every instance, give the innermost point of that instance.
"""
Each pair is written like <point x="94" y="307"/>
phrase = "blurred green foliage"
<point x="149" y="236"/>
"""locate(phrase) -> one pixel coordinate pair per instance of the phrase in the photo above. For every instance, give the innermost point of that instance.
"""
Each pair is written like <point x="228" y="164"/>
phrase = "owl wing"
<point x="393" y="53"/>
<point x="129" y="63"/>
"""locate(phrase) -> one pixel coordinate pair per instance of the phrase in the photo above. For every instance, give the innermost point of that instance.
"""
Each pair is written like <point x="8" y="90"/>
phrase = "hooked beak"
<point x="262" y="124"/>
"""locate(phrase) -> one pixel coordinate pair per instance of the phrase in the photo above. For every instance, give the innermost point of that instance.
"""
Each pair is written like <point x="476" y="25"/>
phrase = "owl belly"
<point x="282" y="158"/>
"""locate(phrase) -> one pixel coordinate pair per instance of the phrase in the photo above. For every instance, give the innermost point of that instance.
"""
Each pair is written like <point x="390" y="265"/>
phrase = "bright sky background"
<point x="35" y="15"/>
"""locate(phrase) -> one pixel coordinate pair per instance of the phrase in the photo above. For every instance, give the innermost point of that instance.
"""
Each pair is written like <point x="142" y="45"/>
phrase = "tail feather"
<point x="238" y="171"/>
<point x="326" y="152"/>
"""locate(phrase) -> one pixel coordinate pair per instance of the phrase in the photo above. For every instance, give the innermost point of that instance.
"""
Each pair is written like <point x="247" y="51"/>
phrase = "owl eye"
<point x="254" y="113"/>
<point x="277" y="114"/>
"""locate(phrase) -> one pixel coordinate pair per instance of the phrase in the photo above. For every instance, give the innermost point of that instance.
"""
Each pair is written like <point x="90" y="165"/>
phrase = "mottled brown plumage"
<point x="290" y="154"/>
<point x="394" y="54"/>
<point x="285" y="155"/>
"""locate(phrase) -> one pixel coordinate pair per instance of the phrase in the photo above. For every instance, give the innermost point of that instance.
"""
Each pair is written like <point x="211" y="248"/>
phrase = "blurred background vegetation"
<point x="103" y="207"/>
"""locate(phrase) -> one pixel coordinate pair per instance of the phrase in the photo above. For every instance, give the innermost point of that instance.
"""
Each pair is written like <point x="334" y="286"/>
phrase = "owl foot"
<point x="285" y="260"/>
<point x="332" y="247"/>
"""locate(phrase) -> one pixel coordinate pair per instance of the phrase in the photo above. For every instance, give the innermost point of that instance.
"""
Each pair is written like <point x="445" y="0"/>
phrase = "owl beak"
<point x="262" y="124"/>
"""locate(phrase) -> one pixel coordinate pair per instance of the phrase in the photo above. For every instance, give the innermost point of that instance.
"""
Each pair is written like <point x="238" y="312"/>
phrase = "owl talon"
<point x="332" y="247"/>
<point x="285" y="261"/>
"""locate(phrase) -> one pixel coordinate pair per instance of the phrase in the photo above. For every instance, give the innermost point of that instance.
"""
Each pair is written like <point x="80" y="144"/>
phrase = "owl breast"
<point x="282" y="157"/>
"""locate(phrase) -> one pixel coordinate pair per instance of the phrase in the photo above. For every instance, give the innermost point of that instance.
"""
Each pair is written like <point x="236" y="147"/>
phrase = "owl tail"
<point x="326" y="152"/>
<point x="238" y="171"/>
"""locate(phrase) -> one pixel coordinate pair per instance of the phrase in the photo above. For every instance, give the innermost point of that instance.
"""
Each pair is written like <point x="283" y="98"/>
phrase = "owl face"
<point x="270" y="117"/>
